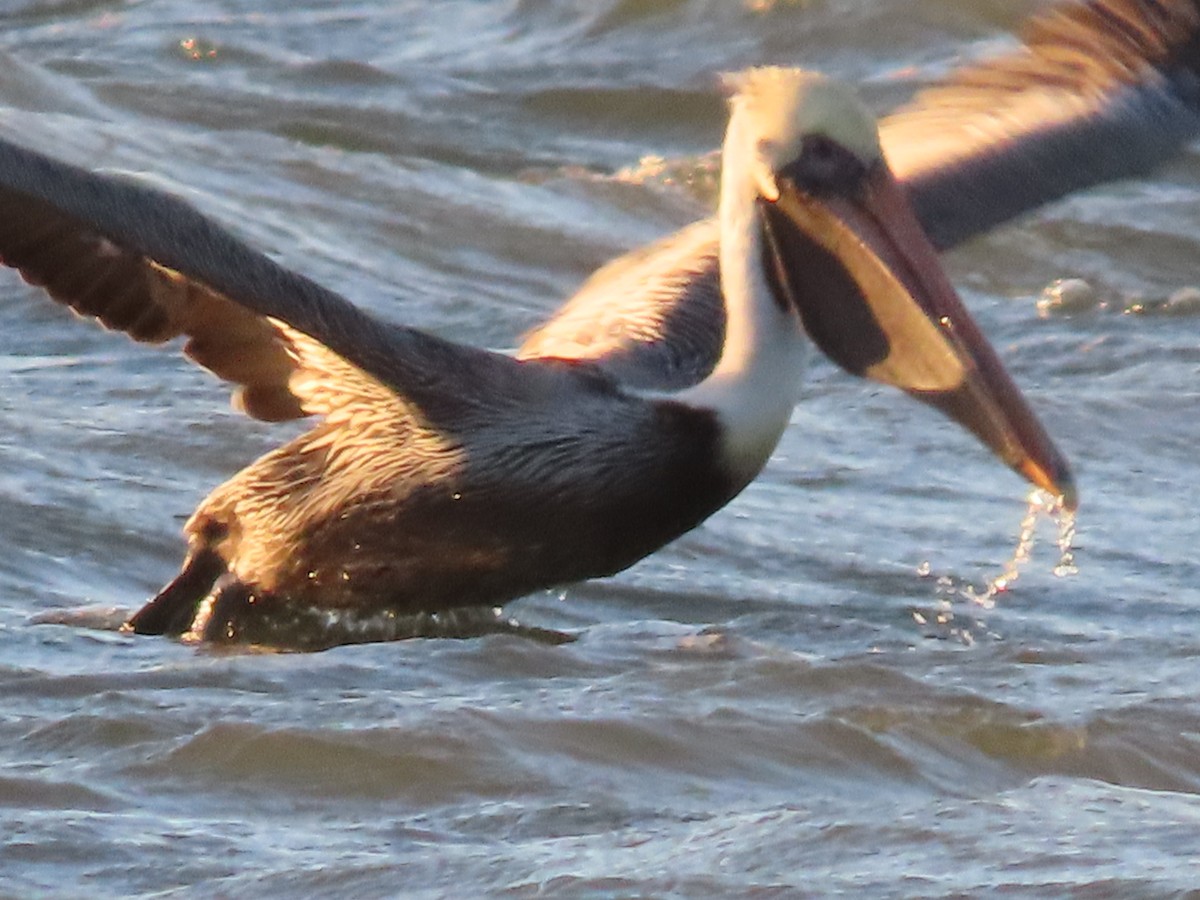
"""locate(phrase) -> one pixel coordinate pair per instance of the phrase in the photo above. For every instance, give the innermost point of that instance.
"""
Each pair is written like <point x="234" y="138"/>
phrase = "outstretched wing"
<point x="1097" y="90"/>
<point x="148" y="264"/>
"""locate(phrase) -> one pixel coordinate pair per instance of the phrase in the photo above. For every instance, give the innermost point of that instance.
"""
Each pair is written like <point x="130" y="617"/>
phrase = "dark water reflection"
<point x="753" y="711"/>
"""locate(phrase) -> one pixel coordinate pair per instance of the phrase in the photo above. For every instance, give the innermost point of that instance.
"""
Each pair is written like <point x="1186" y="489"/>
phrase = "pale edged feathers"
<point x="653" y="318"/>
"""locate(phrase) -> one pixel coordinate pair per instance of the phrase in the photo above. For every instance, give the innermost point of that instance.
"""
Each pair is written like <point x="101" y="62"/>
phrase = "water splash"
<point x="1040" y="504"/>
<point x="1066" y="543"/>
<point x="700" y="176"/>
<point x="950" y="590"/>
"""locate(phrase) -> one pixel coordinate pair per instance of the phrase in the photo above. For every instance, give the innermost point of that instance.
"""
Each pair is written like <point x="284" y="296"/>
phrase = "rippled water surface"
<point x="769" y="707"/>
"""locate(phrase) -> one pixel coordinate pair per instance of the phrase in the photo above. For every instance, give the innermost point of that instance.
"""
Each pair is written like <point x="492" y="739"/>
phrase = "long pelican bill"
<point x="874" y="297"/>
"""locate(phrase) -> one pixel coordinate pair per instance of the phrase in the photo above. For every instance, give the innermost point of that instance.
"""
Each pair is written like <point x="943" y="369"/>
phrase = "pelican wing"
<point x="653" y="316"/>
<point x="148" y="264"/>
<point x="1097" y="90"/>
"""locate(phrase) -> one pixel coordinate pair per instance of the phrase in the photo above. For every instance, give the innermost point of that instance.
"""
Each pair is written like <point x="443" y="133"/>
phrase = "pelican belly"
<point x="581" y="488"/>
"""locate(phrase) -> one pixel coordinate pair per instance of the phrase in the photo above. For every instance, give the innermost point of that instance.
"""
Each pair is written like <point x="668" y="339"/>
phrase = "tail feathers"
<point x="173" y="610"/>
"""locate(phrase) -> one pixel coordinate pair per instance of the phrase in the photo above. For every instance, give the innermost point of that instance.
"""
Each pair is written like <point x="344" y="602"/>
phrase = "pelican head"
<point x="843" y="246"/>
<point x="790" y="113"/>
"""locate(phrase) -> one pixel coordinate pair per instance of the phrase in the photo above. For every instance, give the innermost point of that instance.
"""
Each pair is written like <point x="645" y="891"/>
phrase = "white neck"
<point x="757" y="380"/>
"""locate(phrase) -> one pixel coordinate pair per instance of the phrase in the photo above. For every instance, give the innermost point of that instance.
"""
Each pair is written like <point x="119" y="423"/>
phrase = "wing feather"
<point x="1097" y="91"/>
<point x="654" y="317"/>
<point x="148" y="264"/>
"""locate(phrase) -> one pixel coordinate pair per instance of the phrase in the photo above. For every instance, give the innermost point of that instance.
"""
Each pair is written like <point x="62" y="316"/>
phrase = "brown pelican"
<point x="444" y="476"/>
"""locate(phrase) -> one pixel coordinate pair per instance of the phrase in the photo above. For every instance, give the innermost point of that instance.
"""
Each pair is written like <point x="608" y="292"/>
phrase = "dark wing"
<point x="146" y="263"/>
<point x="1097" y="91"/>
<point x="654" y="317"/>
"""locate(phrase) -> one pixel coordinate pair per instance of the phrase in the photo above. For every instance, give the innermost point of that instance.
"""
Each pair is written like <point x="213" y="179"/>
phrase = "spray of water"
<point x="1040" y="505"/>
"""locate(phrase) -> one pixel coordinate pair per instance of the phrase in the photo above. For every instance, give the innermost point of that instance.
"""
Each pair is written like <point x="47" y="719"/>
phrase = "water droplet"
<point x="1041" y="504"/>
<point x="1066" y="554"/>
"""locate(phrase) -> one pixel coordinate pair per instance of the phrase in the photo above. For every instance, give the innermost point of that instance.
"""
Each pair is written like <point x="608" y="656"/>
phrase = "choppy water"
<point x="756" y="710"/>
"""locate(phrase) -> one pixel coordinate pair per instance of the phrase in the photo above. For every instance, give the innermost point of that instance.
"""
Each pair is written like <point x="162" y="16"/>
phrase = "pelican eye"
<point x="825" y="167"/>
<point x="820" y="149"/>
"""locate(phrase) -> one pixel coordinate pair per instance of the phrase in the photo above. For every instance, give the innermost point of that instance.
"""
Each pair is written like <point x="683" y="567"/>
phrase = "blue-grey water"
<point x="755" y="711"/>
